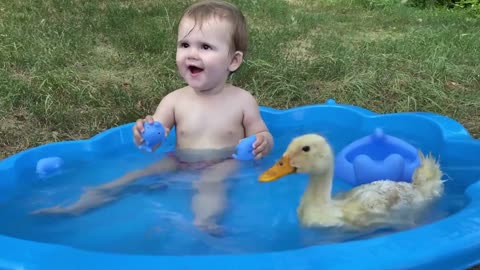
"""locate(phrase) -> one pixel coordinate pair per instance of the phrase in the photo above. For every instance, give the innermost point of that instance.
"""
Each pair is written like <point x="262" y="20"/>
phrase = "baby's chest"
<point x="197" y="118"/>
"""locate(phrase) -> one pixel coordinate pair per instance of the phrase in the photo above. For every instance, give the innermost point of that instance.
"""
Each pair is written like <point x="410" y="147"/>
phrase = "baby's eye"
<point x="184" y="45"/>
<point x="206" y="47"/>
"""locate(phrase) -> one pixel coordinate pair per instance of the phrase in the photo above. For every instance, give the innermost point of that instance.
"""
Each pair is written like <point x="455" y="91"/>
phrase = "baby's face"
<point x="204" y="54"/>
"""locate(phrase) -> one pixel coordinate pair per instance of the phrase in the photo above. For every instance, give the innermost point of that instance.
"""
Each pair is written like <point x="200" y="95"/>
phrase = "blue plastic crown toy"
<point x="377" y="157"/>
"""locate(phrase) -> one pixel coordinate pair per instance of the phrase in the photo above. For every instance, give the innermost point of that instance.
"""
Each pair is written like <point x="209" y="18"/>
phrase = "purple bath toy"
<point x="153" y="134"/>
<point x="376" y="157"/>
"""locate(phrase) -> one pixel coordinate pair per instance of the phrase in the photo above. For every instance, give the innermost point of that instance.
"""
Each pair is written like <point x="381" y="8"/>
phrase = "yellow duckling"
<point x="379" y="203"/>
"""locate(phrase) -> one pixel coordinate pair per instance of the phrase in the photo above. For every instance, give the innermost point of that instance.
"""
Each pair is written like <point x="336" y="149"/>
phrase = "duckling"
<point x="376" y="204"/>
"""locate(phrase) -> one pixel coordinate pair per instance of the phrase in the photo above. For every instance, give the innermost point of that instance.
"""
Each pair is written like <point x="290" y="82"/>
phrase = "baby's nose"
<point x="192" y="53"/>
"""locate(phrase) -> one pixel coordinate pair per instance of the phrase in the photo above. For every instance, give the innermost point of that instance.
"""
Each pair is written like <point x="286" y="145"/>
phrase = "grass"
<point x="70" y="69"/>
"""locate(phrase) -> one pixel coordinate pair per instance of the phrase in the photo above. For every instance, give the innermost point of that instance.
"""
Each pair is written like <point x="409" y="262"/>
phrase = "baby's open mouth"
<point x="195" y="69"/>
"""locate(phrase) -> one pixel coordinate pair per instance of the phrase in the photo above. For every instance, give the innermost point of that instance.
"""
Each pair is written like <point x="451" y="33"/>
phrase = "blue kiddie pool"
<point x="151" y="228"/>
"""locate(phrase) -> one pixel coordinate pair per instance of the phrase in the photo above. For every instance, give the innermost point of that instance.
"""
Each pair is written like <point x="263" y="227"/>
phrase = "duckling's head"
<point x="309" y="153"/>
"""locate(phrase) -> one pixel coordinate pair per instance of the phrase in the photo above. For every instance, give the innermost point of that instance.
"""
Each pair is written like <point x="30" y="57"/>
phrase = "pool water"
<point x="151" y="219"/>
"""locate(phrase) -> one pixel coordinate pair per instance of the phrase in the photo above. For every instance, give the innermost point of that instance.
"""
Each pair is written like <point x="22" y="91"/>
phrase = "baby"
<point x="210" y="116"/>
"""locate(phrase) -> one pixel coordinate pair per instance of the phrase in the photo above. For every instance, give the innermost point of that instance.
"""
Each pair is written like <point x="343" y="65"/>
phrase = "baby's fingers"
<point x="149" y="119"/>
<point x="137" y="130"/>
<point x="260" y="140"/>
<point x="138" y="126"/>
<point x="261" y="148"/>
<point x="137" y="138"/>
<point x="259" y="155"/>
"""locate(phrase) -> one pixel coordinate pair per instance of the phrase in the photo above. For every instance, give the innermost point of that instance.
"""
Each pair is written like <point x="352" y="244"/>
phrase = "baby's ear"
<point x="237" y="60"/>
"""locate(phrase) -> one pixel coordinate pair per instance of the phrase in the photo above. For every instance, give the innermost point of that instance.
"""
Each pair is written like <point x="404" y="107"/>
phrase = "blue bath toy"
<point x="153" y="134"/>
<point x="49" y="166"/>
<point x="244" y="149"/>
<point x="331" y="101"/>
<point x="376" y="157"/>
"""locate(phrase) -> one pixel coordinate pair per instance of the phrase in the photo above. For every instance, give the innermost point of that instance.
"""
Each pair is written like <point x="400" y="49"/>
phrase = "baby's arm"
<point x="163" y="114"/>
<point x="254" y="124"/>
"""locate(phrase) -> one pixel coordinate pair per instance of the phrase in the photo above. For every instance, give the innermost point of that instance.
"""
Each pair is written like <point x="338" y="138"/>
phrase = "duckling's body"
<point x="378" y="203"/>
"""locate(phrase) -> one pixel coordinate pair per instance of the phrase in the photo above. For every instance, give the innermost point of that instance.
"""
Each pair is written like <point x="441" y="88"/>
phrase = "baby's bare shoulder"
<point x="241" y="93"/>
<point x="176" y="94"/>
<point x="179" y="92"/>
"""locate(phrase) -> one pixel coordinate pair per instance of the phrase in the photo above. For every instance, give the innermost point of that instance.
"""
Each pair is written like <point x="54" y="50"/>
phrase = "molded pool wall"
<point x="450" y="243"/>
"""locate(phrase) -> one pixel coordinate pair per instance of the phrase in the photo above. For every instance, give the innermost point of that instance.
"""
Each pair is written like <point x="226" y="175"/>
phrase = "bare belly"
<point x="196" y="155"/>
<point x="206" y="142"/>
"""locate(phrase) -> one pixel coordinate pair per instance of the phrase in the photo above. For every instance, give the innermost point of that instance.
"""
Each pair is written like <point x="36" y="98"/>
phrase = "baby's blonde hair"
<point x="206" y="9"/>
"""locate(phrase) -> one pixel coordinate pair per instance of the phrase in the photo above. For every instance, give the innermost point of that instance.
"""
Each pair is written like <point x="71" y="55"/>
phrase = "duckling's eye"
<point x="306" y="148"/>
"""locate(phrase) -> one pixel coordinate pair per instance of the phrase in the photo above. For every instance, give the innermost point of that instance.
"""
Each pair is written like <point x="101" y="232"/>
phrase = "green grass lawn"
<point x="70" y="69"/>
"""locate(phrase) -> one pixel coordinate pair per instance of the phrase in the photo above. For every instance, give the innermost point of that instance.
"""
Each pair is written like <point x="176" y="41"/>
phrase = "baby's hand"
<point x="138" y="129"/>
<point x="260" y="146"/>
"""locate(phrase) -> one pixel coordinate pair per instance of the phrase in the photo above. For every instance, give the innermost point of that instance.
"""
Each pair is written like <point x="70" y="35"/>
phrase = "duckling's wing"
<point x="374" y="203"/>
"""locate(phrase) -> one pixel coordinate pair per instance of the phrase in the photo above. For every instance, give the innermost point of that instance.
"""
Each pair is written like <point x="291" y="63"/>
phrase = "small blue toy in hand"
<point x="153" y="134"/>
<point x="244" y="149"/>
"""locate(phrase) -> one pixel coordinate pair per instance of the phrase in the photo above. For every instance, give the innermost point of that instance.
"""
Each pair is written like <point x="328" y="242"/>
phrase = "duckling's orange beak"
<point x="281" y="168"/>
